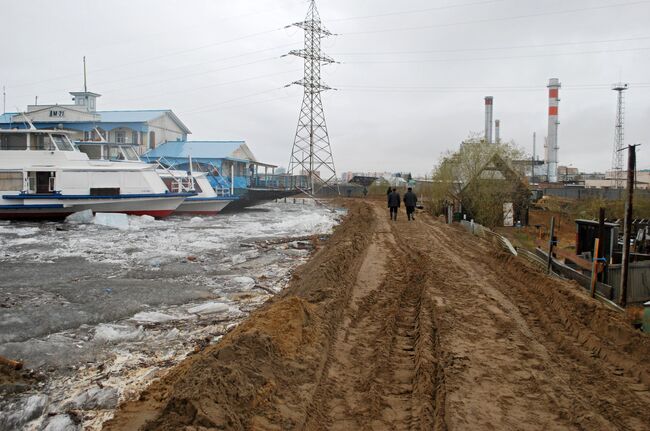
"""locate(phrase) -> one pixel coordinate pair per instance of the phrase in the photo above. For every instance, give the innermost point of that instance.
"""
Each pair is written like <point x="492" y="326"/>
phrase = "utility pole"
<point x="627" y="227"/>
<point x="311" y="152"/>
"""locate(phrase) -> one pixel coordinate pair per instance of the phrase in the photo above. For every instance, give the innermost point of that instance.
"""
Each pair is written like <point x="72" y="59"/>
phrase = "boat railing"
<point x="279" y="181"/>
<point x="178" y="185"/>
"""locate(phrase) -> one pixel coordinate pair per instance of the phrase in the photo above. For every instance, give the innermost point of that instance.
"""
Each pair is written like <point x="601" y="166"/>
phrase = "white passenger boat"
<point x="42" y="175"/>
<point x="205" y="199"/>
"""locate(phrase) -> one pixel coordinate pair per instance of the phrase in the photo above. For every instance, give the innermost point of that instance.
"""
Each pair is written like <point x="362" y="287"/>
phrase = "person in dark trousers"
<point x="410" y="201"/>
<point x="389" y="191"/>
<point x="393" y="204"/>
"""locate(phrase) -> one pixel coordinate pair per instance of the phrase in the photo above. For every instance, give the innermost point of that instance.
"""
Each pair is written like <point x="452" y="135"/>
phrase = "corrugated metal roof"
<point x="136" y="116"/>
<point x="6" y="118"/>
<point x="196" y="149"/>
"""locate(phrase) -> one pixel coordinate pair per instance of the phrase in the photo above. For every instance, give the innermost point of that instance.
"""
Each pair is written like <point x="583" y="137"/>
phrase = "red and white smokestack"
<point x="488" y="119"/>
<point x="552" y="147"/>
<point x="497" y="131"/>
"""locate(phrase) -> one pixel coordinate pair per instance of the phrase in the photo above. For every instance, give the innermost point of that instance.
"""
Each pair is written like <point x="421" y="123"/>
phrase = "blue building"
<point x="232" y="162"/>
<point x="144" y="128"/>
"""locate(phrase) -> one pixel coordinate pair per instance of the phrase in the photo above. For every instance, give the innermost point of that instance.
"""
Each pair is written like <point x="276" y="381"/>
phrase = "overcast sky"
<point x="411" y="80"/>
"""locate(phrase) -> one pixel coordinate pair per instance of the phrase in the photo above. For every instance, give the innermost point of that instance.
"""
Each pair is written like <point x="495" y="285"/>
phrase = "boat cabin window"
<point x="130" y="154"/>
<point x="41" y="142"/>
<point x="10" y="141"/>
<point x="62" y="143"/>
<point x="94" y="152"/>
<point x="114" y="153"/>
<point x="11" y="181"/>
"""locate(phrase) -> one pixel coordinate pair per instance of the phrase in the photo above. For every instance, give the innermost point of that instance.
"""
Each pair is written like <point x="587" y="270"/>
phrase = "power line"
<point x="217" y="84"/>
<point x="417" y="11"/>
<point x="148" y="59"/>
<point x="510" y="57"/>
<point x="508" y="18"/>
<point x="496" y="48"/>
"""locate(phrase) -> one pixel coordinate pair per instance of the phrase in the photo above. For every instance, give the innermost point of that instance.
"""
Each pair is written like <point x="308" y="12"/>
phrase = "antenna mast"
<point x="85" y="82"/>
<point x="311" y="153"/>
<point x="4" y="100"/>
<point x="617" y="157"/>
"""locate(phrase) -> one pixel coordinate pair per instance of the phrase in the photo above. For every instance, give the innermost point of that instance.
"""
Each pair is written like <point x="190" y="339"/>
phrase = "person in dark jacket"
<point x="410" y="201"/>
<point x="393" y="204"/>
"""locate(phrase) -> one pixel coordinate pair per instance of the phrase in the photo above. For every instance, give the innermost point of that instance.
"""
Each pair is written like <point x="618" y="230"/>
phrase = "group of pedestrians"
<point x="394" y="202"/>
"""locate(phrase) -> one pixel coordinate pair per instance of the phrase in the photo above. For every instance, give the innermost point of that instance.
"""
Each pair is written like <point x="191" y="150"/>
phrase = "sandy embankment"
<point x="411" y="326"/>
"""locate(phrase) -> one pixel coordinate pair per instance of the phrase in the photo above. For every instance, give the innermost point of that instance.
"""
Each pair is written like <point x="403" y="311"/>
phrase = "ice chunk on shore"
<point x="114" y="220"/>
<point x="110" y="333"/>
<point x="61" y="423"/>
<point x="85" y="216"/>
<point x="243" y="282"/>
<point x="142" y="221"/>
<point x="96" y="398"/>
<point x="153" y="317"/>
<point x="210" y="308"/>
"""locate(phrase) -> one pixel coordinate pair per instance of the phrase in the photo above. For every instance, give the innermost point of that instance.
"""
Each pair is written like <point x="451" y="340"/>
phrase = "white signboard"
<point x="508" y="215"/>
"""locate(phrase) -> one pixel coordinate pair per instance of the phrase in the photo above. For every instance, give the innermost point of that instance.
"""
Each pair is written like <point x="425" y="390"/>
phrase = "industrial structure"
<point x="617" y="157"/>
<point x="553" y="122"/>
<point x="489" y="100"/>
<point x="311" y="154"/>
<point x="497" y="131"/>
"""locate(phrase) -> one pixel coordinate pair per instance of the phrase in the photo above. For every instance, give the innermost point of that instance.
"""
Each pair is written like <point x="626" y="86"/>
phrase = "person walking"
<point x="393" y="203"/>
<point x="410" y="201"/>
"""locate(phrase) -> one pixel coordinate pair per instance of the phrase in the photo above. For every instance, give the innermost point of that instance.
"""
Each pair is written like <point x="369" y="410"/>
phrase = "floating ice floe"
<point x="243" y="282"/>
<point x="211" y="308"/>
<point x="114" y="220"/>
<point x="108" y="332"/>
<point x="194" y="220"/>
<point x="153" y="317"/>
<point x="141" y="221"/>
<point x="85" y="216"/>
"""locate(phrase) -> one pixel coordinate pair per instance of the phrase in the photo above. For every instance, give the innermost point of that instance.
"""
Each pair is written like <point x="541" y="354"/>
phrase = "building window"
<point x="120" y="137"/>
<point x="134" y="137"/>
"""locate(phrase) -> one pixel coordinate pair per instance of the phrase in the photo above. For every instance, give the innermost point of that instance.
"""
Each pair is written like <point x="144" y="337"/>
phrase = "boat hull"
<point x="58" y="207"/>
<point x="198" y="206"/>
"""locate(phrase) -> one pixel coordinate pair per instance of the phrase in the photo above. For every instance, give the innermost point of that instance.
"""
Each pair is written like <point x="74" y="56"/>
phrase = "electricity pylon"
<point x="311" y="154"/>
<point x="619" y="135"/>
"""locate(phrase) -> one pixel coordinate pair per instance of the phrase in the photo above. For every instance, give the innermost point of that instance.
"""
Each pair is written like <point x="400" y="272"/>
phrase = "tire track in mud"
<point x="382" y="371"/>
<point x="412" y="326"/>
<point x="568" y="365"/>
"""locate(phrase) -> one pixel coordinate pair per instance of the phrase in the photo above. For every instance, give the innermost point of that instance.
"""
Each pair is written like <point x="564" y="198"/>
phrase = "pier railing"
<point x="279" y="181"/>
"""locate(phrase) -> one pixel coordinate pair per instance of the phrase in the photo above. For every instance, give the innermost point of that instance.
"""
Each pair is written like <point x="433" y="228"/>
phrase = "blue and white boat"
<point x="206" y="199"/>
<point x="43" y="175"/>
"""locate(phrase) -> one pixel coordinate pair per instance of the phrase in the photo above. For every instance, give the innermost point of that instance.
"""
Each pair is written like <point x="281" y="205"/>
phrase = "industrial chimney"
<point x="488" y="119"/>
<point x="553" y="99"/>
<point x="497" y="131"/>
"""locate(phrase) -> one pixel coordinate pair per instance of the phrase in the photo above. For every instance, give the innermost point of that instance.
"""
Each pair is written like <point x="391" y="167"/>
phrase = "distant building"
<point x="609" y="180"/>
<point x="145" y="128"/>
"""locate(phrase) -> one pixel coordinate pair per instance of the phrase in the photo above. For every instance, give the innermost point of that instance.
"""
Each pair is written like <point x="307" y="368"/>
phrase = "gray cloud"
<point x="218" y="65"/>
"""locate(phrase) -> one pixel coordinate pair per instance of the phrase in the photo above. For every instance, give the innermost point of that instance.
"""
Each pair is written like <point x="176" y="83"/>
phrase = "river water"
<point x="99" y="311"/>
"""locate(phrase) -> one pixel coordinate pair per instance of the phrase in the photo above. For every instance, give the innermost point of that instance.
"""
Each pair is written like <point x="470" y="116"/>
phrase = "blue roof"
<point x="118" y="118"/>
<point x="131" y="116"/>
<point x="196" y="149"/>
<point x="6" y="118"/>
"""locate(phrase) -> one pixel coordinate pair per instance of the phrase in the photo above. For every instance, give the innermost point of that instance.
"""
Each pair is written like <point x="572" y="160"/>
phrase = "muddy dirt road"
<point x="404" y="326"/>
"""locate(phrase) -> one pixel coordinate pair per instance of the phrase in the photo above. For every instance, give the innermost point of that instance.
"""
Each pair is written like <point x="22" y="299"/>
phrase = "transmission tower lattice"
<point x="311" y="154"/>
<point x="617" y="156"/>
